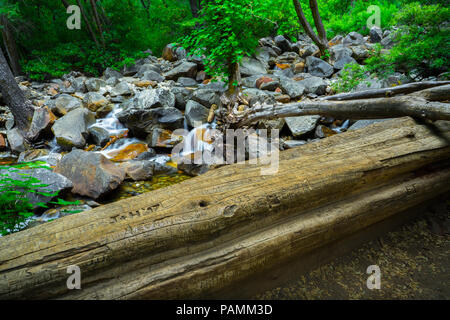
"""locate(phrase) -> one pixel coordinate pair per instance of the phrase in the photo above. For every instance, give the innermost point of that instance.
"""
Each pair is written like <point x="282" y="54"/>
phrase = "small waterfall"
<point x="199" y="140"/>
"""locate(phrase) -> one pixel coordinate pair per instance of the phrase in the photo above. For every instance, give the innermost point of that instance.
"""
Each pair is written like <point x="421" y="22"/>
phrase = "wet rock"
<point x="162" y="138"/>
<point x="193" y="170"/>
<point x="60" y="212"/>
<point x="353" y="39"/>
<point x="99" y="136"/>
<point x="121" y="89"/>
<point x="65" y="103"/>
<point x="185" y="69"/>
<point x="16" y="141"/>
<point x="94" y="84"/>
<point x="152" y="76"/>
<point x="55" y="183"/>
<point x="323" y="132"/>
<point x="169" y="118"/>
<point x="319" y="68"/>
<point x="195" y="113"/>
<point x="111" y="73"/>
<point x="292" y="88"/>
<point x="92" y="174"/>
<point x="41" y="124"/>
<point x="376" y="34"/>
<point x="138" y="170"/>
<point x="72" y="129"/>
<point x="147" y="155"/>
<point x="78" y="84"/>
<point x="282" y="43"/>
<point x="364" y="123"/>
<point x="128" y="153"/>
<point x="93" y="101"/>
<point x="251" y="66"/>
<point x="187" y="82"/>
<point x="315" y="85"/>
<point x="302" y="125"/>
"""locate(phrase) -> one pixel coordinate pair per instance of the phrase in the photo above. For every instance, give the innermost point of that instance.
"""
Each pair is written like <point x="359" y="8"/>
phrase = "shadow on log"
<point x="206" y="234"/>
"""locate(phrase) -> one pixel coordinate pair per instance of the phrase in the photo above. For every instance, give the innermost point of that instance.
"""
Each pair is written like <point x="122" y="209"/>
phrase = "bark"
<point x="389" y="92"/>
<point x="195" y="7"/>
<point x="88" y="25"/>
<point x="323" y="45"/>
<point x="230" y="223"/>
<point x="21" y="108"/>
<point x="10" y="46"/>
<point x="97" y="21"/>
<point x="414" y="106"/>
<point x="318" y="21"/>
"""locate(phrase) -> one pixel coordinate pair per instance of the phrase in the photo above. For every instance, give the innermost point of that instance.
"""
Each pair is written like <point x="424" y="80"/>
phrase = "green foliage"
<point x="350" y="77"/>
<point x="228" y="31"/>
<point x="15" y="208"/>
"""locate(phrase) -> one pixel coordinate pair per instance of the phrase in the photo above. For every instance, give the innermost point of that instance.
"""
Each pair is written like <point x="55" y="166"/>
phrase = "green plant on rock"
<point x="15" y="207"/>
<point x="350" y="77"/>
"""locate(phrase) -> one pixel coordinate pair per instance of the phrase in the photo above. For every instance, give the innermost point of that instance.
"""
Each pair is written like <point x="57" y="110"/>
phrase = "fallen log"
<point x="378" y="108"/>
<point x="205" y="234"/>
<point x="387" y="92"/>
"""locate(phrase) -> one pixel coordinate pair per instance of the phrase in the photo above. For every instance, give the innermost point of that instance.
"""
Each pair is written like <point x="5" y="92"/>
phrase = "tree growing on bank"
<point x="21" y="108"/>
<point x="320" y="39"/>
<point x="227" y="31"/>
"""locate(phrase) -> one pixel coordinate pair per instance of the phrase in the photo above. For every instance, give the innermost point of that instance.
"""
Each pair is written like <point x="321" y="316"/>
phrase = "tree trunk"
<point x="194" y="4"/>
<point x="416" y="106"/>
<point x="97" y="21"/>
<point x="230" y="223"/>
<point x="10" y="46"/>
<point x="21" y="108"/>
<point x="88" y="25"/>
<point x="318" y="40"/>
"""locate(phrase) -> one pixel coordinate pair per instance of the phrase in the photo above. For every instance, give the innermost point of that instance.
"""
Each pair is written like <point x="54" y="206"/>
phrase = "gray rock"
<point x="99" y="136"/>
<point x="55" y="183"/>
<point x="66" y="103"/>
<point x="360" y="53"/>
<point x="94" y="101"/>
<point x="129" y="71"/>
<point x="337" y="40"/>
<point x="270" y="86"/>
<point x="315" y="85"/>
<point x="341" y="55"/>
<point x="307" y="50"/>
<point x="92" y="174"/>
<point x="292" y="88"/>
<point x="282" y="43"/>
<point x="16" y="141"/>
<point x="182" y="95"/>
<point x="251" y="66"/>
<point x="152" y="76"/>
<point x="206" y="97"/>
<point x="302" y="125"/>
<point x="264" y="54"/>
<point x="78" y="84"/>
<point x="319" y="68"/>
<point x="94" y="84"/>
<point x="41" y="124"/>
<point x="155" y="98"/>
<point x="72" y="129"/>
<point x="187" y="82"/>
<point x="376" y="34"/>
<point x="147" y="155"/>
<point x="388" y="41"/>
<point x="149" y="67"/>
<point x="195" y="112"/>
<point x="111" y="73"/>
<point x="121" y="89"/>
<point x="112" y="81"/>
<point x="185" y="69"/>
<point x="289" y="144"/>
<point x="138" y="170"/>
<point x="255" y="96"/>
<point x="353" y="39"/>
<point x="169" y="117"/>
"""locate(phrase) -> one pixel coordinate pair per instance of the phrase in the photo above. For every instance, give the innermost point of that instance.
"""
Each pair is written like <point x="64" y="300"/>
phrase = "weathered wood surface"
<point x="195" y="238"/>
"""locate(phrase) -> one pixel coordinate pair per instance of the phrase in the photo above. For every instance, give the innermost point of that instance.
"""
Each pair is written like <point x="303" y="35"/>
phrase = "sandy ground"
<point x="414" y="261"/>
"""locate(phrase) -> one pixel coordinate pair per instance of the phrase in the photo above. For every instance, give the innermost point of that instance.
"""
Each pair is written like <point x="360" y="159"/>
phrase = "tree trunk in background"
<point x="321" y="40"/>
<point x="10" y="46"/>
<point x="195" y="7"/>
<point x="86" y="20"/>
<point x="97" y="21"/>
<point x="21" y="108"/>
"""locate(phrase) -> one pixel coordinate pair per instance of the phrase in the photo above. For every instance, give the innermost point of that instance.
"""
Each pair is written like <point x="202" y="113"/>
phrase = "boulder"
<point x="270" y="86"/>
<point x="292" y="88"/>
<point x="168" y="118"/>
<point x="149" y="67"/>
<point x="251" y="66"/>
<point x="364" y="123"/>
<point x="169" y="53"/>
<point x="353" y="39"/>
<point x="152" y="76"/>
<point x="187" y="82"/>
<point x="94" y="101"/>
<point x="308" y="50"/>
<point x="121" y="89"/>
<point x="282" y="43"/>
<point x="302" y="125"/>
<point x="78" y="84"/>
<point x="341" y="55"/>
<point x="319" y="68"/>
<point x="138" y="170"/>
<point x="195" y="113"/>
<point x="185" y="69"/>
<point x="92" y="174"/>
<point x="182" y="95"/>
<point x="72" y="129"/>
<point x="155" y="98"/>
<point x="255" y="96"/>
<point x="94" y="84"/>
<point x="206" y="97"/>
<point x="162" y="138"/>
<point x="375" y="34"/>
<point x="111" y="73"/>
<point x="16" y="141"/>
<point x="41" y="123"/>
<point x="360" y="53"/>
<point x="99" y="136"/>
<point x="388" y="41"/>
<point x="65" y="103"/>
<point x="32" y="154"/>
<point x="315" y="85"/>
